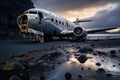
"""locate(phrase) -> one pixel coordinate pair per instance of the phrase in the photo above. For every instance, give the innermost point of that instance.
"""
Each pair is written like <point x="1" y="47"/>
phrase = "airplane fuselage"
<point x="50" y="23"/>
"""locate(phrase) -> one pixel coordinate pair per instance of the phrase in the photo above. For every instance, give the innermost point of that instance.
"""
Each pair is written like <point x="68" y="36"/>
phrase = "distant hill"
<point x="9" y="10"/>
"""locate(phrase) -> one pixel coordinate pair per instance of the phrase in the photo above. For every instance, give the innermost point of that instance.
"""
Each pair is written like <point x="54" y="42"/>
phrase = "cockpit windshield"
<point x="32" y="12"/>
<point x="22" y="19"/>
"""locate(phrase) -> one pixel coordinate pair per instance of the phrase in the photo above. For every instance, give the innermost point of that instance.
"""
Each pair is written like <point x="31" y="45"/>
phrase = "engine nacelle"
<point x="80" y="33"/>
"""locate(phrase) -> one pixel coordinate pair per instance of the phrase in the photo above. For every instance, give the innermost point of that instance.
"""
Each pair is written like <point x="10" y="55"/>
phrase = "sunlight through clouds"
<point x="81" y="14"/>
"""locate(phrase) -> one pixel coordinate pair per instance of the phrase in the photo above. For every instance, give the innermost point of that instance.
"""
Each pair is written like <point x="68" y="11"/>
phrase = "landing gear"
<point x="74" y="38"/>
<point x="39" y="38"/>
<point x="79" y="39"/>
<point x="83" y="40"/>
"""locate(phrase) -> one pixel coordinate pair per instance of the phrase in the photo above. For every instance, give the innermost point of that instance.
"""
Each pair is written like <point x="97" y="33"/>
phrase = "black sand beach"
<point x="92" y="60"/>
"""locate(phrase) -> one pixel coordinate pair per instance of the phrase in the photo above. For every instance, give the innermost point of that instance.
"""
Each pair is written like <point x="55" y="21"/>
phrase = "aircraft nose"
<point x="22" y="21"/>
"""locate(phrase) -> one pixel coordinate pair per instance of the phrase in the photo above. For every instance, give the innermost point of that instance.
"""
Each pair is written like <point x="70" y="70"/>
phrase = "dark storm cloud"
<point x="102" y="17"/>
<point x="63" y="5"/>
<point x="105" y="18"/>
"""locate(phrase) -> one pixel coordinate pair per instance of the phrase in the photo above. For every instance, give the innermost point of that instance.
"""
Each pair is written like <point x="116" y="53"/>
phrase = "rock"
<point x="10" y="9"/>
<point x="51" y="56"/>
<point x="8" y="66"/>
<point x="119" y="50"/>
<point x="14" y="77"/>
<point x="42" y="78"/>
<point x="113" y="53"/>
<point x="89" y="68"/>
<point x="114" y="65"/>
<point x="95" y="54"/>
<point x="109" y="75"/>
<point x="90" y="49"/>
<point x="85" y="49"/>
<point x="119" y="64"/>
<point x="101" y="70"/>
<point x="76" y="54"/>
<point x="82" y="58"/>
<point x="78" y="47"/>
<point x="18" y="66"/>
<point x="12" y="56"/>
<point x="68" y="76"/>
<point x="98" y="64"/>
<point x="79" y="76"/>
<point x="82" y="68"/>
<point x="102" y="53"/>
<point x="92" y="45"/>
<point x="102" y="60"/>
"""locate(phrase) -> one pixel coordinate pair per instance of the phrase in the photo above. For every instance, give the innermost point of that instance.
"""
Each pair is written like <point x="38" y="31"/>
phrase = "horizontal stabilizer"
<point x="78" y="21"/>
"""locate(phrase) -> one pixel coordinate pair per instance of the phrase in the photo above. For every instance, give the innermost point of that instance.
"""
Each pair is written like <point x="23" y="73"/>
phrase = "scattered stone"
<point x="51" y="56"/>
<point x="12" y="56"/>
<point x="109" y="75"/>
<point x="113" y="53"/>
<point x="92" y="45"/>
<point x="101" y="70"/>
<point x="101" y="53"/>
<point x="89" y="68"/>
<point x="80" y="76"/>
<point x="82" y="68"/>
<point x="78" y="47"/>
<point x="114" y="65"/>
<point x="13" y="66"/>
<point x="68" y="76"/>
<point x="18" y="66"/>
<point x="82" y="58"/>
<point x="90" y="49"/>
<point x="42" y="78"/>
<point x="76" y="54"/>
<point x="98" y="64"/>
<point x="119" y="50"/>
<point x="102" y="60"/>
<point x="95" y="54"/>
<point x="14" y="77"/>
<point x="85" y="49"/>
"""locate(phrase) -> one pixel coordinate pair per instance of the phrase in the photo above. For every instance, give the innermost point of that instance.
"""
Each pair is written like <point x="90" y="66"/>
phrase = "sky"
<point x="102" y="12"/>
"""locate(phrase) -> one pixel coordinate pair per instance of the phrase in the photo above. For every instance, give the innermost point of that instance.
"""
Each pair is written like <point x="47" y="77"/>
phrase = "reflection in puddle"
<point x="87" y="69"/>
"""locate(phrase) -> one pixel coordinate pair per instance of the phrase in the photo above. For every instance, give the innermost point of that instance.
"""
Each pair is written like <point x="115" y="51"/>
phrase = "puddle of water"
<point x="74" y="67"/>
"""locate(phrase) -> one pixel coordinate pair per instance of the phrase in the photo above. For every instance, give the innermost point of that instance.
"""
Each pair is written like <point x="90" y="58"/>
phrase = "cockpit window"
<point x="32" y="12"/>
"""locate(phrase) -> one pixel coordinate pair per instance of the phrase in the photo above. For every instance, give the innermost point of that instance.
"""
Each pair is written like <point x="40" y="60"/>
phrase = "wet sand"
<point x="92" y="60"/>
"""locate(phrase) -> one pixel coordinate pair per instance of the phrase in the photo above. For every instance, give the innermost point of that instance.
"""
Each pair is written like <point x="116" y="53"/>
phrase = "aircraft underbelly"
<point x="46" y="27"/>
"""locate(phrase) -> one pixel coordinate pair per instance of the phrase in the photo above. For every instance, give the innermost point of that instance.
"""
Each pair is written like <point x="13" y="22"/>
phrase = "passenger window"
<point x="59" y="22"/>
<point x="56" y="21"/>
<point x="62" y="23"/>
<point x="52" y="20"/>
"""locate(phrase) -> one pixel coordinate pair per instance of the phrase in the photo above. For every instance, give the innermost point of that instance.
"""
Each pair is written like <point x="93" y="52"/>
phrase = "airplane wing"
<point x="67" y="33"/>
<point x="71" y="32"/>
<point x="99" y="29"/>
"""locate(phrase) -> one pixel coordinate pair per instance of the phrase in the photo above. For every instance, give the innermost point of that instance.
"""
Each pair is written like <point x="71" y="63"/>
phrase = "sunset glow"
<point x="81" y="14"/>
<point x="113" y="30"/>
<point x="85" y="12"/>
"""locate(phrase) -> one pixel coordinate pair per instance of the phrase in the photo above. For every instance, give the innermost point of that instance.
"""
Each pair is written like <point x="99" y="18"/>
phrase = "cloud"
<point x="102" y="12"/>
<point x="107" y="16"/>
<point x="63" y="5"/>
